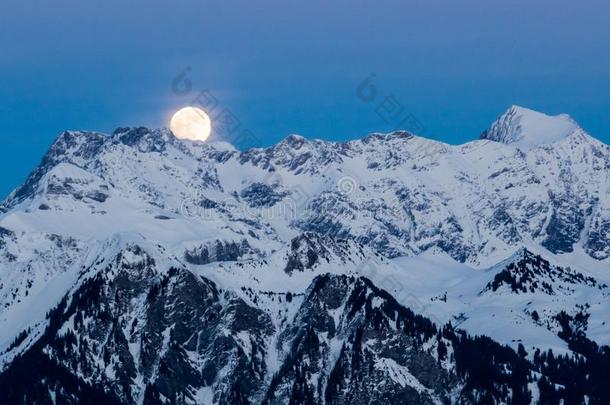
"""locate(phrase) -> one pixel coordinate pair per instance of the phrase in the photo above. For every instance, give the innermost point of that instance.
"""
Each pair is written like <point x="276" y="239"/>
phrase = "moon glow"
<point x="191" y="123"/>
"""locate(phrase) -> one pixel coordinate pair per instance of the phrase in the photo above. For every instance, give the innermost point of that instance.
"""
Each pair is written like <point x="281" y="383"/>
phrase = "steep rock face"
<point x="347" y="346"/>
<point x="596" y="244"/>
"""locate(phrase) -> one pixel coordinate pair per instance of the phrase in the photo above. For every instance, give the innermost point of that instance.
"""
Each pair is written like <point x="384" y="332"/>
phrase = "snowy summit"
<point x="527" y="128"/>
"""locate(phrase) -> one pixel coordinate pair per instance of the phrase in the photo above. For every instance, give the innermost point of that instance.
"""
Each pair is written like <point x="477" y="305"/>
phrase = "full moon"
<point x="191" y="123"/>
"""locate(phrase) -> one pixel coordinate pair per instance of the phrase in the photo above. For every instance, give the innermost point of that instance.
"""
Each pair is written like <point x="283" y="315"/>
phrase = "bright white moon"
<point x="191" y="123"/>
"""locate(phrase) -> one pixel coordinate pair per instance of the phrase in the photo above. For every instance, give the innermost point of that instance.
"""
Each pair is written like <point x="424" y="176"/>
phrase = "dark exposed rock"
<point x="598" y="242"/>
<point x="531" y="273"/>
<point x="6" y="232"/>
<point x="147" y="140"/>
<point x="262" y="195"/>
<point x="564" y="228"/>
<point x="219" y="251"/>
<point x="309" y="249"/>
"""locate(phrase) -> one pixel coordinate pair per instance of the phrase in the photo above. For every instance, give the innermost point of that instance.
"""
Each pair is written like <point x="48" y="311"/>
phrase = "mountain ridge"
<point x="484" y="238"/>
<point x="155" y="138"/>
<point x="290" y="168"/>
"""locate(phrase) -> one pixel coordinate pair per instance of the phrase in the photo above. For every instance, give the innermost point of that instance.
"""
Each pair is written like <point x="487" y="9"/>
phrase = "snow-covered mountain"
<point x="139" y="268"/>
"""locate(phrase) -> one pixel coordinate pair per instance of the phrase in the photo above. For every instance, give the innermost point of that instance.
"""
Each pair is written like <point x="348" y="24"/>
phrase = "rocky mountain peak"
<point x="294" y="141"/>
<point x="527" y="272"/>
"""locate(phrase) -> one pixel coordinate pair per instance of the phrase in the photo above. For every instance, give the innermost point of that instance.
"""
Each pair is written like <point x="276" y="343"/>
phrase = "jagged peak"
<point x="523" y="253"/>
<point x="527" y="272"/>
<point x="123" y="130"/>
<point x="78" y="143"/>
<point x="74" y="135"/>
<point x="518" y="255"/>
<point x="526" y="128"/>
<point x="296" y="142"/>
<point x="293" y="141"/>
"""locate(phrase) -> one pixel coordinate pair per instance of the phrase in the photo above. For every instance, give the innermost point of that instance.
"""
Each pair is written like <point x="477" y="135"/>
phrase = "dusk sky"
<point x="295" y="67"/>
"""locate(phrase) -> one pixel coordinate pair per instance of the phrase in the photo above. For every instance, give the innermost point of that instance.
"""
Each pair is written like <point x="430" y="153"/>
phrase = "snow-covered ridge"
<point x="398" y="193"/>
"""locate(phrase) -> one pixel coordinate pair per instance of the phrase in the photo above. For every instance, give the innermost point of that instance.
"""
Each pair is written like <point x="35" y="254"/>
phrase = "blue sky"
<point x="295" y="67"/>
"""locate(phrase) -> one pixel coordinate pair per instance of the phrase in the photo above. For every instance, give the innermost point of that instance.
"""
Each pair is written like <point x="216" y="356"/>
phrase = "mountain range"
<point x="136" y="268"/>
